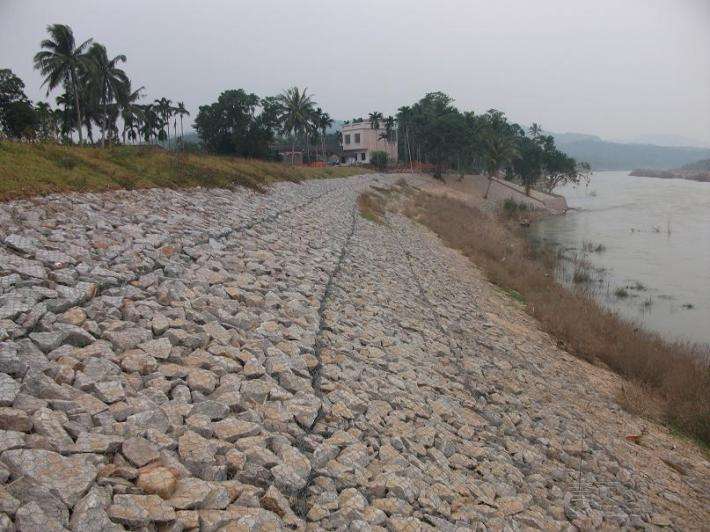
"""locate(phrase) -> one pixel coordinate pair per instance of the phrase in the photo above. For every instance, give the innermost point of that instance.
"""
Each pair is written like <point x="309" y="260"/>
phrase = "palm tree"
<point x="47" y="120"/>
<point x="324" y="122"/>
<point x="499" y="149"/>
<point x="535" y="130"/>
<point x="130" y="111"/>
<point x="149" y="121"/>
<point x="107" y="79"/>
<point x="66" y="120"/>
<point x="405" y="122"/>
<point x="181" y="111"/>
<point x="375" y="117"/>
<point x="296" y="108"/>
<point x="390" y="129"/>
<point x="165" y="110"/>
<point x="61" y="62"/>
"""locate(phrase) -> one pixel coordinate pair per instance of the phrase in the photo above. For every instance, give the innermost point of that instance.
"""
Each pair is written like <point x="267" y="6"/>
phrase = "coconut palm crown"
<point x="60" y="62"/>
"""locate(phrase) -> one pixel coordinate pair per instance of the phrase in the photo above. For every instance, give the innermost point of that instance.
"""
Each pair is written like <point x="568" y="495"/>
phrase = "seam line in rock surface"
<point x="299" y="499"/>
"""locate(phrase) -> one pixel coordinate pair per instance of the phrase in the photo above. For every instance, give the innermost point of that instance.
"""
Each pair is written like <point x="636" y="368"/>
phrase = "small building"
<point x="360" y="140"/>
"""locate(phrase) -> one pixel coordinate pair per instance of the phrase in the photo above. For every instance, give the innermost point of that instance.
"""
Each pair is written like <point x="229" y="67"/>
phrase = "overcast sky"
<point x="615" y="68"/>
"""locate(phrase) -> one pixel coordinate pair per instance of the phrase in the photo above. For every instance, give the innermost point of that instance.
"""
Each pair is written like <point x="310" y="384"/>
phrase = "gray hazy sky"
<point x="616" y="68"/>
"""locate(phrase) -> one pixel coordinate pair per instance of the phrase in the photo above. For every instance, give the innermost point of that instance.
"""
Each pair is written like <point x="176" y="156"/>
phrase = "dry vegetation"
<point x="667" y="381"/>
<point x="35" y="169"/>
<point x="371" y="206"/>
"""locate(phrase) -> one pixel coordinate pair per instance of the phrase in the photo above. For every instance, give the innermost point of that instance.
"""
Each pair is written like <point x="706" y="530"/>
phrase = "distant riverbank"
<point x="672" y="174"/>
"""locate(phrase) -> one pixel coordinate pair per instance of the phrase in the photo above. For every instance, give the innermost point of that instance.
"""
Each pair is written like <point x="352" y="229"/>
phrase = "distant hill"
<point x="667" y="140"/>
<point x="605" y="155"/>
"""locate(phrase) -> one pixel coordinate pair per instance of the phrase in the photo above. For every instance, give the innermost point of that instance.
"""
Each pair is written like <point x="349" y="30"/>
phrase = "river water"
<point x="655" y="238"/>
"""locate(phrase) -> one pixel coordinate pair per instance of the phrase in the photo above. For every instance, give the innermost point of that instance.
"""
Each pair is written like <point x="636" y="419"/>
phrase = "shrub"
<point x="379" y="159"/>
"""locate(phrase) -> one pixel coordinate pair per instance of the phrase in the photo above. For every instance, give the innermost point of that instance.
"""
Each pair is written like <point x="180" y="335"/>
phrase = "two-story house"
<point x="360" y="140"/>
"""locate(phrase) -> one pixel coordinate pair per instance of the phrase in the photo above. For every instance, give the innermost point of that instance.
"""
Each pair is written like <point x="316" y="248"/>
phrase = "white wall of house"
<point x="360" y="140"/>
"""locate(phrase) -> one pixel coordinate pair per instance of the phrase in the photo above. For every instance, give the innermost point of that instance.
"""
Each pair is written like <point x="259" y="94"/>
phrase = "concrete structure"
<point x="501" y="190"/>
<point x="360" y="140"/>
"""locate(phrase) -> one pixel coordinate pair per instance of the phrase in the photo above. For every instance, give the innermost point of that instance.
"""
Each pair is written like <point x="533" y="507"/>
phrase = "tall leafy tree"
<point x="500" y="149"/>
<point x="324" y="122"/>
<point x="149" y="122"/>
<point x="535" y="130"/>
<point x="47" y="118"/>
<point x="181" y="111"/>
<point x="61" y="62"/>
<point x="109" y="82"/>
<point x="130" y="112"/>
<point x="12" y="88"/>
<point x="231" y="125"/>
<point x="528" y="163"/>
<point x="390" y="129"/>
<point x="296" y="109"/>
<point x="18" y="119"/>
<point x="405" y="124"/>
<point x="165" y="110"/>
<point x="375" y="118"/>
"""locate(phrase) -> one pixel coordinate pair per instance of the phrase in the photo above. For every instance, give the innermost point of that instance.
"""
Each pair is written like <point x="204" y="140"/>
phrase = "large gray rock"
<point x="69" y="477"/>
<point x="26" y="490"/>
<point x="31" y="518"/>
<point x="90" y="512"/>
<point x="125" y="339"/>
<point x="139" y="451"/>
<point x="139" y="510"/>
<point x="8" y="389"/>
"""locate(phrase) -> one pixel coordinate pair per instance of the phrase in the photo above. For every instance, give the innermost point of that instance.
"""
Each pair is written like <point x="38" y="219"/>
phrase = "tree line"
<point x="97" y="93"/>
<point x="434" y="131"/>
<point x="242" y="123"/>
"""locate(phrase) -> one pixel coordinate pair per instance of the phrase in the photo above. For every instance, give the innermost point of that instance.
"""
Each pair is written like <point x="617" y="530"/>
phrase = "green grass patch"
<point x="515" y="295"/>
<point x="28" y="170"/>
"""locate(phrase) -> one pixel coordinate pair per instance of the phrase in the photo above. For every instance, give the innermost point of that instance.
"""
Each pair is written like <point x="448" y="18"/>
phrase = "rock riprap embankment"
<point x="225" y="360"/>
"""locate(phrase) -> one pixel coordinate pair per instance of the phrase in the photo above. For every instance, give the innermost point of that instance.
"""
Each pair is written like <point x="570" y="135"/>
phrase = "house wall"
<point x="369" y="141"/>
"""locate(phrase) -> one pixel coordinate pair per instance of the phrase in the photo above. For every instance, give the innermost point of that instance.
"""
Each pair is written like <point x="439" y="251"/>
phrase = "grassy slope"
<point x="34" y="169"/>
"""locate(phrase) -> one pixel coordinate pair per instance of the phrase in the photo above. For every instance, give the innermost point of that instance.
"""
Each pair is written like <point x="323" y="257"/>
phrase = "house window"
<point x="357" y="138"/>
<point x="347" y="139"/>
<point x="362" y="155"/>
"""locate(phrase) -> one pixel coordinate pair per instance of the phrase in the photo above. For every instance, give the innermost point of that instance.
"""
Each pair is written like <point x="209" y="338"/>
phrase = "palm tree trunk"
<point x="104" y="124"/>
<point x="409" y="149"/>
<point x="78" y="107"/>
<point x="293" y="146"/>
